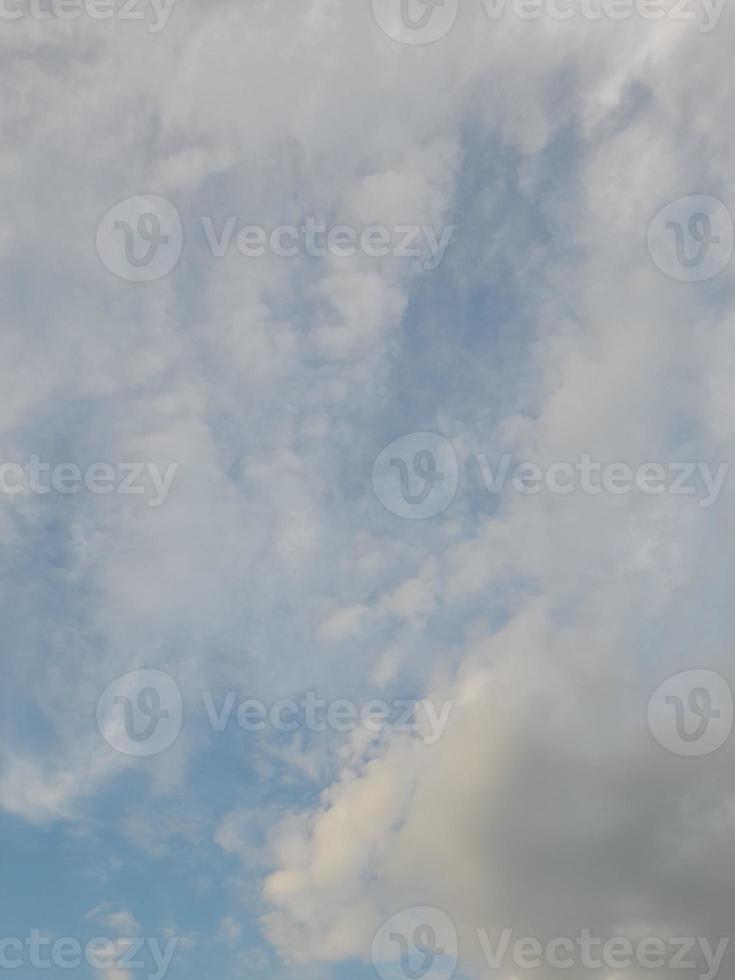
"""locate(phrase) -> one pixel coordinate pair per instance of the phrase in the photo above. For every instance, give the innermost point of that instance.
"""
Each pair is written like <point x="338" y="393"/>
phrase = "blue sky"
<point x="459" y="471"/>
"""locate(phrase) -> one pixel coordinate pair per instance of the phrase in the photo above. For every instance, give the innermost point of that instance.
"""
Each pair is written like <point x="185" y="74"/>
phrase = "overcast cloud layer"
<point x="547" y="326"/>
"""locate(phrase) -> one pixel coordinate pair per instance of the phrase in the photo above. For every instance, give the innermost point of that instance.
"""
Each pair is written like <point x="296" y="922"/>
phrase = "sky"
<point x="366" y="435"/>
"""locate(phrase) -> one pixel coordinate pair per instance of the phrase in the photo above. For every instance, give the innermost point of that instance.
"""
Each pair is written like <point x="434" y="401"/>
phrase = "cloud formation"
<point x="274" y="383"/>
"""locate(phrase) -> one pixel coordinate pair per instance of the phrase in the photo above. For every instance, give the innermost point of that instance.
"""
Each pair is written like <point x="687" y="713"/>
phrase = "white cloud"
<point x="120" y="921"/>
